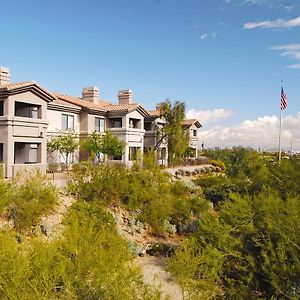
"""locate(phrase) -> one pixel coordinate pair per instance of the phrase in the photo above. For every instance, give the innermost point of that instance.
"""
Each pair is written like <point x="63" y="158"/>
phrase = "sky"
<point x="224" y="58"/>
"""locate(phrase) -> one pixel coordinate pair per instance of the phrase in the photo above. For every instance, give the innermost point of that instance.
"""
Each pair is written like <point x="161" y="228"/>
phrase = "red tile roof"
<point x="81" y="103"/>
<point x="190" y="122"/>
<point x="19" y="87"/>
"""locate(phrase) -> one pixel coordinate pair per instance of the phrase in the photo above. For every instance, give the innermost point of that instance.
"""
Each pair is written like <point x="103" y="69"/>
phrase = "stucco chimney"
<point x="90" y="94"/>
<point x="4" y="75"/>
<point x="125" y="96"/>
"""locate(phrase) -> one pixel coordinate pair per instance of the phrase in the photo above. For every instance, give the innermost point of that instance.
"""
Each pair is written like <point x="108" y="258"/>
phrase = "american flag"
<point x="283" y="100"/>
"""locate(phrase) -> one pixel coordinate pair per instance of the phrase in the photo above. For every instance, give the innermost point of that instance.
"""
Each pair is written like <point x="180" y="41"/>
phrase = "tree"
<point x="173" y="130"/>
<point x="107" y="143"/>
<point x="65" y="143"/>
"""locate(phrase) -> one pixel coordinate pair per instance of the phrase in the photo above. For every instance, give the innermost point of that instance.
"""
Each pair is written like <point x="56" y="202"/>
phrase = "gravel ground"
<point x="154" y="274"/>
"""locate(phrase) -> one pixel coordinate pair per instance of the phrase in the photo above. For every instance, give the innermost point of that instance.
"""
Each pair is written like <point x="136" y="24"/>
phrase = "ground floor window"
<point x="162" y="153"/>
<point x="27" y="153"/>
<point x="1" y="153"/>
<point x="133" y="152"/>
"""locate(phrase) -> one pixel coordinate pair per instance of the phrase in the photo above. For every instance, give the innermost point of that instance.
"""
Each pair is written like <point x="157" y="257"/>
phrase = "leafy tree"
<point x="173" y="131"/>
<point x="65" y="143"/>
<point x="107" y="143"/>
<point x="112" y="145"/>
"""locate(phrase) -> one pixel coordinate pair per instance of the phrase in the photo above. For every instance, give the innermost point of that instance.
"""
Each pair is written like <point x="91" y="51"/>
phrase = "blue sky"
<point x="224" y="58"/>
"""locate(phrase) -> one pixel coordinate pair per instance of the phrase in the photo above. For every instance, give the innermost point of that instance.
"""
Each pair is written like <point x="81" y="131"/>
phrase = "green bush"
<point x="150" y="191"/>
<point x="249" y="250"/>
<point x="6" y="194"/>
<point x="91" y="261"/>
<point x="31" y="199"/>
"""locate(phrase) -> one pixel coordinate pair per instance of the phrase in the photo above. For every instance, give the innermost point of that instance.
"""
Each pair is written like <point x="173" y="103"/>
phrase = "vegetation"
<point x="248" y="246"/>
<point x="152" y="192"/>
<point x="24" y="203"/>
<point x="65" y="143"/>
<point x="90" y="262"/>
<point x="244" y="247"/>
<point x="173" y="131"/>
<point x="107" y="144"/>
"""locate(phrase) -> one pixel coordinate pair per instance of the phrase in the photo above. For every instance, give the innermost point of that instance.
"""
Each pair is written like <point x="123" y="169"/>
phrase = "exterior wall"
<point x="133" y="137"/>
<point x="55" y="126"/>
<point x="194" y="139"/>
<point x="21" y="129"/>
<point x="151" y="139"/>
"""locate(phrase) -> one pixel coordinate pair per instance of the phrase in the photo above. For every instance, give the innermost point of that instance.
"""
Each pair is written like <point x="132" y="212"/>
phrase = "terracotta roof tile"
<point x="19" y="86"/>
<point x="80" y="102"/>
<point x="10" y="86"/>
<point x="190" y="122"/>
<point x="61" y="102"/>
<point x="154" y="113"/>
<point x="122" y="107"/>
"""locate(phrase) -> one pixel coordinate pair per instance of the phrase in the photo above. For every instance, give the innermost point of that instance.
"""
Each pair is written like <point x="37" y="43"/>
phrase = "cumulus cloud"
<point x="279" y="23"/>
<point x="205" y="116"/>
<point x="260" y="133"/>
<point x="290" y="50"/>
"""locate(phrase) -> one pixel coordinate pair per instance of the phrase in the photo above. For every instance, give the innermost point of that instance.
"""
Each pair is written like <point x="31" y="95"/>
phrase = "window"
<point x="194" y="132"/>
<point x="67" y="122"/>
<point x="27" y="110"/>
<point x="133" y="152"/>
<point x="1" y="108"/>
<point x="33" y="153"/>
<point x="99" y="125"/>
<point x="134" y="123"/>
<point x="1" y="153"/>
<point x="115" y="123"/>
<point x="148" y="126"/>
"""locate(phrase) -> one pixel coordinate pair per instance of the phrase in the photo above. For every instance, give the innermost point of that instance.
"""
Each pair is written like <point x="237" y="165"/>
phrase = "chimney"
<point x="90" y="94"/>
<point x="4" y="76"/>
<point x="125" y="96"/>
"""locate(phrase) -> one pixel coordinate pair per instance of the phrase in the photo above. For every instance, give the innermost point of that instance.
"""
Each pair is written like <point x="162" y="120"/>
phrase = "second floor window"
<point x="27" y="110"/>
<point x="115" y="123"/>
<point x="67" y="122"/>
<point x="194" y="132"/>
<point x="99" y="125"/>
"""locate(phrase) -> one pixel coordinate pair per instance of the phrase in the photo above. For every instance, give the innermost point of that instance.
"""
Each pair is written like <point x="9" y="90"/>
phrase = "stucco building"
<point x="30" y="115"/>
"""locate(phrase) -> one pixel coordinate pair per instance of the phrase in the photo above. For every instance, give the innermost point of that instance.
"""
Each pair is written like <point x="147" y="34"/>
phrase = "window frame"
<point x="68" y="118"/>
<point x="98" y="122"/>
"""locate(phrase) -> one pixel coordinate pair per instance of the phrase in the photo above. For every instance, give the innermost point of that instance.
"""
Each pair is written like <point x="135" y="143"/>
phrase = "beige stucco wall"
<point x="20" y="129"/>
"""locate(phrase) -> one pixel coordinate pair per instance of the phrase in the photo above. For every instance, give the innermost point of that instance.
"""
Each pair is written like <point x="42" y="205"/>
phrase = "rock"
<point x="161" y="249"/>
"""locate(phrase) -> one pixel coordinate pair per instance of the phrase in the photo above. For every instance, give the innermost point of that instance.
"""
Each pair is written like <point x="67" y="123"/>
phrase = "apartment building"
<point x="30" y="115"/>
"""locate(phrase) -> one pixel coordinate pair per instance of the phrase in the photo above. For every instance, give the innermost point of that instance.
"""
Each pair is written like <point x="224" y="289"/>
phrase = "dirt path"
<point x="154" y="274"/>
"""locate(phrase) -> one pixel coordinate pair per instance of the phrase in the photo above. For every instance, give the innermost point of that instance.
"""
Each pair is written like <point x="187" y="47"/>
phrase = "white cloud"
<point x="205" y="116"/>
<point x="296" y="66"/>
<point x="290" y="50"/>
<point x="260" y="133"/>
<point x="272" y="4"/>
<point x="203" y="36"/>
<point x="279" y="23"/>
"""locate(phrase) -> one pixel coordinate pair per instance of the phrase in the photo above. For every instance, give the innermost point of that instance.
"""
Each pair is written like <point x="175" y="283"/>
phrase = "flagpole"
<point x="279" y="157"/>
<point x="280" y="126"/>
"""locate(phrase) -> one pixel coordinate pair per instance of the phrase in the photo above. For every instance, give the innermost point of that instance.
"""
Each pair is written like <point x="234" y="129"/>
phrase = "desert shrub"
<point x="91" y="261"/>
<point x="6" y="194"/>
<point x="31" y="199"/>
<point x="152" y="192"/>
<point x="249" y="250"/>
